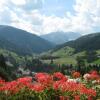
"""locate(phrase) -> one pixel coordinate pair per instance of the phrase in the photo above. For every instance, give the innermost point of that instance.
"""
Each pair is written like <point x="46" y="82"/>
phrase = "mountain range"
<point x="87" y="42"/>
<point x="61" y="37"/>
<point x="22" y="42"/>
<point x="25" y="43"/>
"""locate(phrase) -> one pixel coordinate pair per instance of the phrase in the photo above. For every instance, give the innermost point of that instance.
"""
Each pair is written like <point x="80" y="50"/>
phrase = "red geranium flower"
<point x="58" y="75"/>
<point x="76" y="74"/>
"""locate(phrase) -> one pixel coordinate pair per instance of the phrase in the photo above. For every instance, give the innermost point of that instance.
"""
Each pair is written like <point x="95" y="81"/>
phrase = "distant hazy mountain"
<point x="88" y="42"/>
<point x="22" y="42"/>
<point x="61" y="37"/>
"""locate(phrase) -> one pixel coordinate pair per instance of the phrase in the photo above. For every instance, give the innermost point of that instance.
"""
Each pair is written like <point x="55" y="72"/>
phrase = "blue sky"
<point x="57" y="7"/>
<point x="45" y="16"/>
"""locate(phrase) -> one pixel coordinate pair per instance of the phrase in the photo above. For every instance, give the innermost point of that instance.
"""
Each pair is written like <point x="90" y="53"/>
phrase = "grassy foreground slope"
<point x="67" y="55"/>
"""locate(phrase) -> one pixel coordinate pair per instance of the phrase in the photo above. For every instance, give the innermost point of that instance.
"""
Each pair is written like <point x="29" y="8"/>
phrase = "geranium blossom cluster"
<point x="44" y="81"/>
<point x="93" y="75"/>
<point x="76" y="74"/>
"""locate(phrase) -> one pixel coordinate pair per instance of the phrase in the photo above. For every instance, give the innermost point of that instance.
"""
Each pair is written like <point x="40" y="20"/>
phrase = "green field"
<point x="67" y="56"/>
<point x="64" y="60"/>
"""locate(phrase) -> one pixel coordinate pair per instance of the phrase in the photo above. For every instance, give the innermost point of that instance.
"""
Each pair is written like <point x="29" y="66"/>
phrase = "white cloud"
<point x="30" y="22"/>
<point x="19" y="2"/>
<point x="26" y="14"/>
<point x="23" y="25"/>
<point x="54" y="23"/>
<point x="19" y="17"/>
<point x="86" y="13"/>
<point x="85" y="18"/>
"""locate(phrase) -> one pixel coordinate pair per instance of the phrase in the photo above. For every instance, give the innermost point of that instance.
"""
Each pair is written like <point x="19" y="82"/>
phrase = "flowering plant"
<point x="46" y="87"/>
